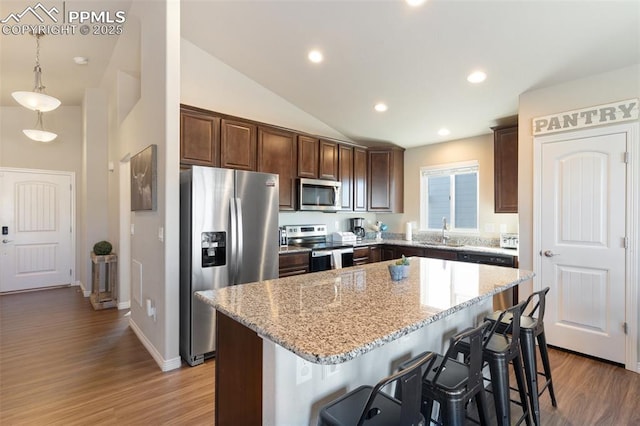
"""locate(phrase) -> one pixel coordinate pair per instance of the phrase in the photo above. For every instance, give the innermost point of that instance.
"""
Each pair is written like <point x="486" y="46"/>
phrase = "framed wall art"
<point x="144" y="191"/>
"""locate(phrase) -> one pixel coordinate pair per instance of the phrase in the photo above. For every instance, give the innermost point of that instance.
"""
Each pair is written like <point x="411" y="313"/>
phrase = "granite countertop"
<point x="421" y="244"/>
<point x="334" y="316"/>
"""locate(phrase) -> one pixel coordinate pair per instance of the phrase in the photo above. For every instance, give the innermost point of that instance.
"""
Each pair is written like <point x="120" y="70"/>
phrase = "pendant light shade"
<point x="39" y="134"/>
<point x="37" y="100"/>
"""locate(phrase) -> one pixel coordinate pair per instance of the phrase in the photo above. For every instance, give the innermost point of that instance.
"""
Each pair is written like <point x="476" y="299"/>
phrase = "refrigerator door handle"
<point x="240" y="239"/>
<point x="233" y="236"/>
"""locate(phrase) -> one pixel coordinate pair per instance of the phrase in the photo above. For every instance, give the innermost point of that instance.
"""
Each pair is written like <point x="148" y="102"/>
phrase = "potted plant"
<point x="400" y="269"/>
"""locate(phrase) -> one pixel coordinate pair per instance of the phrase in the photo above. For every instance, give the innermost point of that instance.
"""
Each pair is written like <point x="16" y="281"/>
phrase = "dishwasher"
<point x="507" y="298"/>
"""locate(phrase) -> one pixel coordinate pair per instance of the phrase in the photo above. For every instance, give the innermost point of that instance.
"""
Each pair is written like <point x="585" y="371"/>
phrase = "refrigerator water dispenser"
<point x="214" y="249"/>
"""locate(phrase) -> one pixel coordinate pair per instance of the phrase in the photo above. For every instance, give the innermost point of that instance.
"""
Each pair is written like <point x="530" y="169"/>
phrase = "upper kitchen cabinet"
<point x="345" y="175"/>
<point x="307" y="157"/>
<point x="359" y="179"/>
<point x="199" y="137"/>
<point x="505" y="157"/>
<point x="328" y="160"/>
<point x="386" y="180"/>
<point x="238" y="144"/>
<point x="277" y="154"/>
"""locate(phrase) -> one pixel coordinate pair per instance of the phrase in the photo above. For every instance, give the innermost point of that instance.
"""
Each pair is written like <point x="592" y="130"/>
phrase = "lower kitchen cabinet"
<point x="375" y="254"/>
<point x="361" y="256"/>
<point x="293" y="264"/>
<point x="409" y="251"/>
<point x="441" y="254"/>
<point x="388" y="252"/>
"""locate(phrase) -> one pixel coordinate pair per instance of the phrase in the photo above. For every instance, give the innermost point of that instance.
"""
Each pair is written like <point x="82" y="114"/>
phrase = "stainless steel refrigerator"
<point x="228" y="235"/>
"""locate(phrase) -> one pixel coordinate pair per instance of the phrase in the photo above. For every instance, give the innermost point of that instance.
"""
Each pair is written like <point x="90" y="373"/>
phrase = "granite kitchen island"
<point x="285" y="347"/>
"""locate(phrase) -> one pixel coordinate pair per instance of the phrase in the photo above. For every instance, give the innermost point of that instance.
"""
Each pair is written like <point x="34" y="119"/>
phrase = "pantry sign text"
<point x="587" y="117"/>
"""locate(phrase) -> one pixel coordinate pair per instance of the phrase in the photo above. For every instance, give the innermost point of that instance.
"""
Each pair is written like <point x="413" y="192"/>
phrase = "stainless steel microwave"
<point x="318" y="194"/>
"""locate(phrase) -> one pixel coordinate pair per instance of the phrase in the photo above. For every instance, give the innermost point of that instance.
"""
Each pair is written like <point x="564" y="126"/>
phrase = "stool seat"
<point x="453" y="383"/>
<point x="370" y="406"/>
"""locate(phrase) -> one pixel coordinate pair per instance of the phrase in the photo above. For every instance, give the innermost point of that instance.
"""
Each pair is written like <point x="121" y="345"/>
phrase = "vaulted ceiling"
<point x="415" y="60"/>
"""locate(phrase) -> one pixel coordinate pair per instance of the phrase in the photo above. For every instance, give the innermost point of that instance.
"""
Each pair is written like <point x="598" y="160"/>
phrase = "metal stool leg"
<point x="528" y="345"/>
<point x="498" y="368"/>
<point x="542" y="346"/>
<point x="517" y="365"/>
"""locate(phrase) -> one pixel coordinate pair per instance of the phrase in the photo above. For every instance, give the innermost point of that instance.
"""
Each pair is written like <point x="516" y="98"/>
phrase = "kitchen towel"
<point x="407" y="232"/>
<point x="336" y="259"/>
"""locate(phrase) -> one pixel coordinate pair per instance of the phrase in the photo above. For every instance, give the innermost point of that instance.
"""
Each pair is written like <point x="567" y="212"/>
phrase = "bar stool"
<point x="453" y="383"/>
<point x="370" y="406"/>
<point x="532" y="328"/>
<point x="500" y="350"/>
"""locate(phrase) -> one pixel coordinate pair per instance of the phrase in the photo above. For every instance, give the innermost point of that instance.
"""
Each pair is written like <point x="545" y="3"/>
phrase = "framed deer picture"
<point x="144" y="179"/>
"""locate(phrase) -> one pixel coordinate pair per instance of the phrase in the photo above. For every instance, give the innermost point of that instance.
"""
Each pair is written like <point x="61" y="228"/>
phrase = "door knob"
<point x="6" y="241"/>
<point x="549" y="253"/>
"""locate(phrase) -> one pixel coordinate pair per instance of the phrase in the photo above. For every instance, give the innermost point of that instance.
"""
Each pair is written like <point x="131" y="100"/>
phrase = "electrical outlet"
<point x="330" y="370"/>
<point x="303" y="371"/>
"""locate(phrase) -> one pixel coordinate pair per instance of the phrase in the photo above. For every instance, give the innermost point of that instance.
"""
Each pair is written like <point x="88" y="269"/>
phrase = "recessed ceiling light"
<point x="415" y="3"/>
<point x="81" y="60"/>
<point x="444" y="132"/>
<point x="477" y="77"/>
<point x="315" y="56"/>
<point x="380" y="107"/>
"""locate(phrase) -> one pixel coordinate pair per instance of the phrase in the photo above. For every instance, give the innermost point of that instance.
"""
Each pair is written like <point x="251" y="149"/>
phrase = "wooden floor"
<point x="62" y="363"/>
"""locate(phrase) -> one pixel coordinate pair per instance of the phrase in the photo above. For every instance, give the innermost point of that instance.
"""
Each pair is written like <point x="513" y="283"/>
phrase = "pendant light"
<point x="37" y="100"/>
<point x="39" y="134"/>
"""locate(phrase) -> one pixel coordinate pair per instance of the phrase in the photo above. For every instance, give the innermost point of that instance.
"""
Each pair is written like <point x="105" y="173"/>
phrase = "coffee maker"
<point x="357" y="227"/>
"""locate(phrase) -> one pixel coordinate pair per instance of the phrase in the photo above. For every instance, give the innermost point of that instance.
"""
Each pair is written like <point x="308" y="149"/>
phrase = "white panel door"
<point x="583" y="187"/>
<point x="36" y="230"/>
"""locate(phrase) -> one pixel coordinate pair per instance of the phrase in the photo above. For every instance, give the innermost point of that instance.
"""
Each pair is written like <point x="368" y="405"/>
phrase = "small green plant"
<point x="403" y="261"/>
<point x="102" y="248"/>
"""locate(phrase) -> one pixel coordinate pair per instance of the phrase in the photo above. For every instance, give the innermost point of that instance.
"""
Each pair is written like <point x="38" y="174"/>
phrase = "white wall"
<point x="93" y="220"/>
<point x="64" y="153"/>
<point x="208" y="83"/>
<point x="154" y="49"/>
<point x="479" y="148"/>
<point x="598" y="89"/>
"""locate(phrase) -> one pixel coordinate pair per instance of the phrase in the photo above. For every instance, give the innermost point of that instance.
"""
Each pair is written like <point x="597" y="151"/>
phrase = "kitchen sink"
<point x="453" y="245"/>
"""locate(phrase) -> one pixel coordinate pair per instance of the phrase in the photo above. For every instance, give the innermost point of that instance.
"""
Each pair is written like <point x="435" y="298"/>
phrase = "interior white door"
<point x="583" y="196"/>
<point x="36" y="216"/>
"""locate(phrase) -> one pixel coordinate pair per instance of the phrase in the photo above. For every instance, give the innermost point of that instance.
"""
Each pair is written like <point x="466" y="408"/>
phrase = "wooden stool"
<point x="104" y="268"/>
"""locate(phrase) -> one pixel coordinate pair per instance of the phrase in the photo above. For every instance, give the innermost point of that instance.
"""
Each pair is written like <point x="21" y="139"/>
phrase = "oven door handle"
<point x="320" y="253"/>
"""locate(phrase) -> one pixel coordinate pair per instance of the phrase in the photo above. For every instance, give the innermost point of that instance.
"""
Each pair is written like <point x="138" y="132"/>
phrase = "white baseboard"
<point x="124" y="305"/>
<point x="165" y="365"/>
<point x="85" y="292"/>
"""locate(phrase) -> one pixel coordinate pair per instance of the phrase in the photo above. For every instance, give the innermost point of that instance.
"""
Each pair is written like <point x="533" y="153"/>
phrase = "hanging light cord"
<point x="39" y="88"/>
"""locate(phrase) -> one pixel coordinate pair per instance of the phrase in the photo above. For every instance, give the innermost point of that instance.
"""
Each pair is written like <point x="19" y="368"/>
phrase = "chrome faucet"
<point x="445" y="237"/>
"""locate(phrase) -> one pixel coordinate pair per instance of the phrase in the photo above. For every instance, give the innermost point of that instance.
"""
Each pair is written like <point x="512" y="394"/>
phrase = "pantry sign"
<point x="587" y="117"/>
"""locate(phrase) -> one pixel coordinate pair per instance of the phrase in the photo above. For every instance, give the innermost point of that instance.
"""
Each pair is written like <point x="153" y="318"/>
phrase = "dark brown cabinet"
<point x="199" y="137"/>
<point x="505" y="169"/>
<point x="307" y="157"/>
<point x="441" y="254"/>
<point x="386" y="180"/>
<point x="375" y="254"/>
<point x="328" y="168"/>
<point x="409" y="251"/>
<point x="361" y="256"/>
<point x="345" y="175"/>
<point x="277" y="154"/>
<point x="388" y="252"/>
<point x="359" y="179"/>
<point x="238" y="145"/>
<point x="293" y="264"/>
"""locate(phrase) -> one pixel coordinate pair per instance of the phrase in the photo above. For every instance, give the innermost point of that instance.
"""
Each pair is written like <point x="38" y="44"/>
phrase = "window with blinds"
<point x="449" y="191"/>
